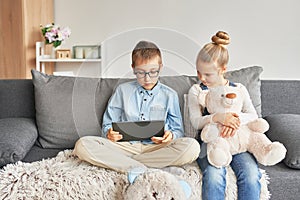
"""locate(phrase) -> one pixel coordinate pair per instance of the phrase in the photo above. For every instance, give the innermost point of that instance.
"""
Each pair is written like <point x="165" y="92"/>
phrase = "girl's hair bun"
<point x="221" y="38"/>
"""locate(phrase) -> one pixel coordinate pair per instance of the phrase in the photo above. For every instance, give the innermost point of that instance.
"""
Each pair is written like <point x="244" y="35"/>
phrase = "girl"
<point x="211" y="65"/>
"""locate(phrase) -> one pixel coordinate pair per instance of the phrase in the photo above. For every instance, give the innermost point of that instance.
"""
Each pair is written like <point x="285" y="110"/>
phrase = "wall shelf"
<point x="41" y="59"/>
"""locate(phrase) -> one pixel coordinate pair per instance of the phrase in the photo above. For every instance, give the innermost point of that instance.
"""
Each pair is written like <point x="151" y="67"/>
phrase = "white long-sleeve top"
<point x="196" y="106"/>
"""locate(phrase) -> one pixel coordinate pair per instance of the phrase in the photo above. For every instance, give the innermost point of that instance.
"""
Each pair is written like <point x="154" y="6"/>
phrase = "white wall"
<point x="263" y="32"/>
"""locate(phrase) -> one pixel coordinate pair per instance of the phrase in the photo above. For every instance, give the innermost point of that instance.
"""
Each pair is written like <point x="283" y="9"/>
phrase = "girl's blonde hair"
<point x="215" y="51"/>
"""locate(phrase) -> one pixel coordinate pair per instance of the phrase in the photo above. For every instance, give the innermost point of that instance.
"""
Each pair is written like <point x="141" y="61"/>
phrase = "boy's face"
<point x="147" y="72"/>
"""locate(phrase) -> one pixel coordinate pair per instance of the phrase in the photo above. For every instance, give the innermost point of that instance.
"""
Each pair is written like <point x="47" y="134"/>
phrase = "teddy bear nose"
<point x="230" y="95"/>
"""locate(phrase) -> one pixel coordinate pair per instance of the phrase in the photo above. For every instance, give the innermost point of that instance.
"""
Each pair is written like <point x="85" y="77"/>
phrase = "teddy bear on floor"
<point x="249" y="137"/>
<point x="155" y="184"/>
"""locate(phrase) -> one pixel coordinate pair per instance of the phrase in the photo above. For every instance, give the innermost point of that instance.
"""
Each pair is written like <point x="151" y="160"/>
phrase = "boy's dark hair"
<point x="145" y="50"/>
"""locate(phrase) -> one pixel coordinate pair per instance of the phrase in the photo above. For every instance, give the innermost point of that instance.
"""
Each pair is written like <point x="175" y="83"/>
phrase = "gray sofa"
<point x="279" y="103"/>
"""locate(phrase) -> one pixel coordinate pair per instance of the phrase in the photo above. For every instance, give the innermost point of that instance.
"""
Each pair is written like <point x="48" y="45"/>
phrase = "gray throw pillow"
<point x="17" y="135"/>
<point x="67" y="108"/>
<point x="250" y="78"/>
<point x="285" y="128"/>
<point x="189" y="130"/>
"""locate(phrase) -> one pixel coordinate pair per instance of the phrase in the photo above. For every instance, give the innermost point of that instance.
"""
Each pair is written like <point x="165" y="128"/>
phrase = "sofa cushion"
<point x="16" y="98"/>
<point x="250" y="78"/>
<point x="285" y="128"/>
<point x="17" y="137"/>
<point x="189" y="130"/>
<point x="280" y="97"/>
<point x="66" y="109"/>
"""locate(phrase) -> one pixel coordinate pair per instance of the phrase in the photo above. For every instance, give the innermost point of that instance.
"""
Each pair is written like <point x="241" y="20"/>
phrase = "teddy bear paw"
<point x="276" y="153"/>
<point x="219" y="158"/>
<point x="210" y="133"/>
<point x="259" y="125"/>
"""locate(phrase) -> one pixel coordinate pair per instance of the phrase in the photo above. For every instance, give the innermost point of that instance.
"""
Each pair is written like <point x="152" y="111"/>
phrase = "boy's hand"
<point x="113" y="135"/>
<point x="168" y="136"/>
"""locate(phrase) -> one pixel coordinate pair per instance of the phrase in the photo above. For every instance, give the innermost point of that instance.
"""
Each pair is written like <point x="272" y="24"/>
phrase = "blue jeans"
<point x="246" y="170"/>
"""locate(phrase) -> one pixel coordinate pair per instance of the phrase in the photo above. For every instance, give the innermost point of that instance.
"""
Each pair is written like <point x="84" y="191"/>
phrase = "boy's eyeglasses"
<point x="142" y="74"/>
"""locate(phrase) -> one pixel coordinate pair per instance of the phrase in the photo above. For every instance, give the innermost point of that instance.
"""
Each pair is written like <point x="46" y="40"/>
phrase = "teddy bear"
<point x="248" y="137"/>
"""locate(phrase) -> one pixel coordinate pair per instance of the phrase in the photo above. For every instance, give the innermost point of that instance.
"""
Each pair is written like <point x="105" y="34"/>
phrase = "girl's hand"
<point x="230" y="120"/>
<point x="227" y="132"/>
<point x="113" y="135"/>
<point x="168" y="136"/>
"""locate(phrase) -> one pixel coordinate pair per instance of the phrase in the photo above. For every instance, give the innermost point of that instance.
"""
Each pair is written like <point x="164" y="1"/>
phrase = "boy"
<point x="143" y="99"/>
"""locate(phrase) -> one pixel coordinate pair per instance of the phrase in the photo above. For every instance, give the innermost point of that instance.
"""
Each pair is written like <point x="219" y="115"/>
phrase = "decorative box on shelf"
<point x="86" y="51"/>
<point x="63" y="54"/>
<point x="42" y="58"/>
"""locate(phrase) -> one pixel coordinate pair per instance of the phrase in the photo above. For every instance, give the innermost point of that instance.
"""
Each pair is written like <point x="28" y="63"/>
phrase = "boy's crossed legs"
<point x="123" y="156"/>
<point x="133" y="158"/>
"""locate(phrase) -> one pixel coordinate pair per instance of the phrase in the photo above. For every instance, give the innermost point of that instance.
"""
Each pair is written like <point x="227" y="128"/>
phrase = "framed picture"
<point x="86" y="51"/>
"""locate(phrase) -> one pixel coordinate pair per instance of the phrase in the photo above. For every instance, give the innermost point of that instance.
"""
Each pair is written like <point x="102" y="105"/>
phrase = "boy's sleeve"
<point x="174" y="118"/>
<point x="112" y="113"/>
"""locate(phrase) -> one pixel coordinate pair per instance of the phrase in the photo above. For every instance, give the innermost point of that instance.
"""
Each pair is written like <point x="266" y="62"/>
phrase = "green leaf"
<point x="56" y="43"/>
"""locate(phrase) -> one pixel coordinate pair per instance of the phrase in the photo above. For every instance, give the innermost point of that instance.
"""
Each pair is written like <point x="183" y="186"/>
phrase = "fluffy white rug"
<point x="66" y="177"/>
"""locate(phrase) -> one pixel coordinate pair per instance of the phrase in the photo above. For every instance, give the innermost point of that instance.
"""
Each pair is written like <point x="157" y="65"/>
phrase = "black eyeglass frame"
<point x="140" y="74"/>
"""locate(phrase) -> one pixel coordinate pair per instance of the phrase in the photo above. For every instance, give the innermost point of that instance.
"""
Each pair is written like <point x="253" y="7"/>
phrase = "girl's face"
<point x="210" y="74"/>
<point x="147" y="72"/>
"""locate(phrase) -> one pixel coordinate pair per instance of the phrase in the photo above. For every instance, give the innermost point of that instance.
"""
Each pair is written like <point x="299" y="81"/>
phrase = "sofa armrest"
<point x="16" y="98"/>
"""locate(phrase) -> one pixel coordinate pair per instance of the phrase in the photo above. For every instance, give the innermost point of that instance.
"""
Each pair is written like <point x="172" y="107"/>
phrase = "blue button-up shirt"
<point x="131" y="102"/>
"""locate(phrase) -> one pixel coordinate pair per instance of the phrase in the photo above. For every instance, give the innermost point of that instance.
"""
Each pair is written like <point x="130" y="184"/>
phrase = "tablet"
<point x="139" y="130"/>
